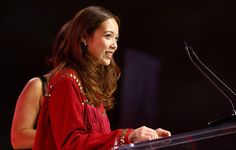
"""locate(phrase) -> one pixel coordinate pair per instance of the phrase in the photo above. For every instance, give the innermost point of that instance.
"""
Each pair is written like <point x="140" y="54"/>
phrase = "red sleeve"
<point x="69" y="132"/>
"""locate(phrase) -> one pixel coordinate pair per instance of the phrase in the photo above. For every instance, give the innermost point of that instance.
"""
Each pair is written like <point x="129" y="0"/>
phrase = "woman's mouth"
<point x="109" y="54"/>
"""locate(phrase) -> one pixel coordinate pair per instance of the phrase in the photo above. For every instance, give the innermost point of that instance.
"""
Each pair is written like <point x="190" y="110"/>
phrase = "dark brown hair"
<point x="99" y="82"/>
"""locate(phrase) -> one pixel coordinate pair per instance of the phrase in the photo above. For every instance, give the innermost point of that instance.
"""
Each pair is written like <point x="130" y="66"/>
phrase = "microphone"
<point x="216" y="81"/>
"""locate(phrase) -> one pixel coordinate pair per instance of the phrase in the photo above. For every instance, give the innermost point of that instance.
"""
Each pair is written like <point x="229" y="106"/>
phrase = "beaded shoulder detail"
<point x="74" y="77"/>
<point x="77" y="81"/>
<point x="86" y="101"/>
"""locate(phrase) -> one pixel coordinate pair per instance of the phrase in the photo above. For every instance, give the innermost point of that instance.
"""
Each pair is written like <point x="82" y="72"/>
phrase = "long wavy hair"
<point x="99" y="81"/>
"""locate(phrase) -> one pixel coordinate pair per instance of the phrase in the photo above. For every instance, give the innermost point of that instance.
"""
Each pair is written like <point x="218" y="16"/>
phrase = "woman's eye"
<point x="108" y="36"/>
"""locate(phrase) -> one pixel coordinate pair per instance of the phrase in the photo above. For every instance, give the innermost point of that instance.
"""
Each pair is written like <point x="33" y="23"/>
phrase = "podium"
<point x="221" y="137"/>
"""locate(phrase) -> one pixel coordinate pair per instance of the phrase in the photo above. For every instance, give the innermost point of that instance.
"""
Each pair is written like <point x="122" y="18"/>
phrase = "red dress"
<point x="68" y="122"/>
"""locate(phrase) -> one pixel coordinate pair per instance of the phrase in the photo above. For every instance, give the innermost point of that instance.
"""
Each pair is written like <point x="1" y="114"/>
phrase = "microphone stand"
<point x="221" y="86"/>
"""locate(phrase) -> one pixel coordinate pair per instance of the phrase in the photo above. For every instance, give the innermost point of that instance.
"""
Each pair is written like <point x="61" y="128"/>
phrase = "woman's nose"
<point x="114" y="44"/>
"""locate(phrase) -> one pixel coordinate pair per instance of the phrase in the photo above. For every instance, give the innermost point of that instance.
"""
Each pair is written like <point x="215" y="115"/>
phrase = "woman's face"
<point x="102" y="44"/>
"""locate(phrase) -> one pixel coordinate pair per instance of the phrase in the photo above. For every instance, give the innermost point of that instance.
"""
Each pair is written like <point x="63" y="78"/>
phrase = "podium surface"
<point x="221" y="137"/>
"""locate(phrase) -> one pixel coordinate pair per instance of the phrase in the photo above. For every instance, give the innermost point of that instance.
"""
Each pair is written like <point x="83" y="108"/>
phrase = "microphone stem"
<point x="191" y="52"/>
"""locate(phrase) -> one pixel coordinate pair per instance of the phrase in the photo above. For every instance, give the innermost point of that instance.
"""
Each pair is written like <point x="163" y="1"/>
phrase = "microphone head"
<point x="185" y="44"/>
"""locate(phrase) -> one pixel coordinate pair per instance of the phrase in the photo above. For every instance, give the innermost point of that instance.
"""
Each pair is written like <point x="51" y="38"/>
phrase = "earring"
<point x="85" y="43"/>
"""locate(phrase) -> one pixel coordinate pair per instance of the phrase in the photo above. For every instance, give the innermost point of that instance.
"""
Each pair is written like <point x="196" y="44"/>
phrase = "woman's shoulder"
<point x="31" y="91"/>
<point x="65" y="75"/>
<point x="35" y="82"/>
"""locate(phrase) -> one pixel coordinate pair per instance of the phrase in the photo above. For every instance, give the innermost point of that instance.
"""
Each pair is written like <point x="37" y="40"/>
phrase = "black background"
<point x="157" y="27"/>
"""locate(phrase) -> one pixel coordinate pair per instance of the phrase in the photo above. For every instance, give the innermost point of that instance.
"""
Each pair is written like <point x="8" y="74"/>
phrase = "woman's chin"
<point x="106" y="62"/>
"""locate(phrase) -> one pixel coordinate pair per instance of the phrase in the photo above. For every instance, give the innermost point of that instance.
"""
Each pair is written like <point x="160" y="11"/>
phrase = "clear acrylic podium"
<point x="221" y="137"/>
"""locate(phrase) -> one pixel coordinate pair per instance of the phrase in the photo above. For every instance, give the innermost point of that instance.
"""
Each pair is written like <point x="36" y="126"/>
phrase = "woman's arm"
<point x="25" y="115"/>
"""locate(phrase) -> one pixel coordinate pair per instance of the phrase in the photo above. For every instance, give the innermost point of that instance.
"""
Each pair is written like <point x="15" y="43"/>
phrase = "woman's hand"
<point x="144" y="133"/>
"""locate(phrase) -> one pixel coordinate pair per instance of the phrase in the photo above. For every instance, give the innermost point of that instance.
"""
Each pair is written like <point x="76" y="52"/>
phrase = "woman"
<point x="81" y="87"/>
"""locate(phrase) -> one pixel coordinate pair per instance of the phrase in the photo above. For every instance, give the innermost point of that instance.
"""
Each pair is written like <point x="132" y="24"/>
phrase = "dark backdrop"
<point x="187" y="100"/>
